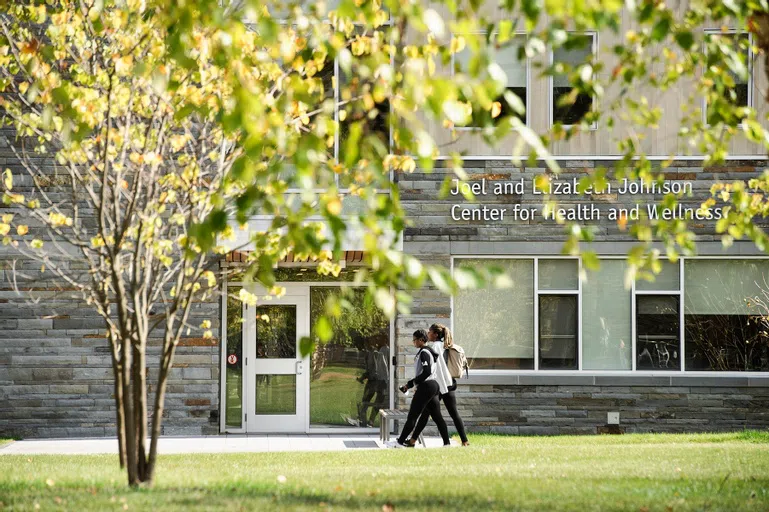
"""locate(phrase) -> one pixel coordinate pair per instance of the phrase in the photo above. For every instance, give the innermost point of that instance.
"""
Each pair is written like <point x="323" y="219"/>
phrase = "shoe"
<point x="465" y="443"/>
<point x="410" y="444"/>
<point x="394" y="444"/>
<point x="351" y="421"/>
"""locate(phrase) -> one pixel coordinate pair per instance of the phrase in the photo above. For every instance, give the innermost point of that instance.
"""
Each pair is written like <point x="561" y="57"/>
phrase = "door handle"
<point x="299" y="367"/>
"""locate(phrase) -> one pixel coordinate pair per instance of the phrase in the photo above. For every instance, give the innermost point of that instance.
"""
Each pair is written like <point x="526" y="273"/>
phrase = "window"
<point x="511" y="59"/>
<point x="568" y="106"/>
<point x="725" y="316"/>
<point x="372" y="139"/>
<point x="495" y="327"/>
<point x="234" y="360"/>
<point x="558" y="297"/>
<point x="658" y="338"/>
<point x="606" y="318"/>
<point x="740" y="95"/>
<point x="697" y="315"/>
<point x="350" y="374"/>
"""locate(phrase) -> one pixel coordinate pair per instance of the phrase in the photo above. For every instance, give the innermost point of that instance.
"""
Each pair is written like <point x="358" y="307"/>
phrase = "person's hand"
<point x="404" y="388"/>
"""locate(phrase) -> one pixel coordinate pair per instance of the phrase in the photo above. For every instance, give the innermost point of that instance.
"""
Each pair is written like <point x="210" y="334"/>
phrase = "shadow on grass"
<point x="236" y="497"/>
<point x="431" y="493"/>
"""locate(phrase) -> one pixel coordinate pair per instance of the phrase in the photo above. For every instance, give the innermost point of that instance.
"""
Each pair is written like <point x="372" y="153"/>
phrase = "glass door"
<point x="276" y="372"/>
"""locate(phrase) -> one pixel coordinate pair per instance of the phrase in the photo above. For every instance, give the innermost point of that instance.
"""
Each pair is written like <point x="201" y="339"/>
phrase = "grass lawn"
<point x="630" y="472"/>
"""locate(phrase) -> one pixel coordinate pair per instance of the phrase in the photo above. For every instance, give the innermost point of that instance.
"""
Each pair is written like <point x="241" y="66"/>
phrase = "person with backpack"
<point x="456" y="363"/>
<point x="425" y="399"/>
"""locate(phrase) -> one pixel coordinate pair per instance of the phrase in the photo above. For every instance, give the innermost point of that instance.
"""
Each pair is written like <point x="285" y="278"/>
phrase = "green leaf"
<point x="441" y="280"/>
<point x="661" y="29"/>
<point x="590" y="260"/>
<point x="685" y="39"/>
<point x="306" y="346"/>
<point x="505" y="29"/>
<point x="323" y="329"/>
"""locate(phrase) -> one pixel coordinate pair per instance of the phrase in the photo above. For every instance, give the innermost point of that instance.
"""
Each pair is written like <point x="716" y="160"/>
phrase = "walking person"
<point x="375" y="375"/>
<point x="426" y="395"/>
<point x="441" y="341"/>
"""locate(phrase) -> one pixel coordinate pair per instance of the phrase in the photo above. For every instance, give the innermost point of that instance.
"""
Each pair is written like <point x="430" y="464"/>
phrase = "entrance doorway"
<point x="275" y="369"/>
<point x="339" y="387"/>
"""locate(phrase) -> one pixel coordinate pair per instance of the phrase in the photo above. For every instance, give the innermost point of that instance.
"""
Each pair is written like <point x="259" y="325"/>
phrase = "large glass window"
<point x="496" y="326"/>
<point x="738" y="95"/>
<point x="509" y="57"/>
<point x="234" y="358"/>
<point x="606" y="319"/>
<point x="723" y="305"/>
<point x="569" y="107"/>
<point x="726" y="317"/>
<point x="350" y="375"/>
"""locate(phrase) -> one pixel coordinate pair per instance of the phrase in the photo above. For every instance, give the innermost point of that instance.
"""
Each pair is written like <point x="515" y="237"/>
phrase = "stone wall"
<point x="56" y="375"/>
<point x="551" y="405"/>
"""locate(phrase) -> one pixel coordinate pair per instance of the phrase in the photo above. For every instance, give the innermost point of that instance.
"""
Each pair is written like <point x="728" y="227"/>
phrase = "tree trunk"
<point x="157" y="414"/>
<point x="120" y="419"/>
<point x="140" y="409"/>
<point x="128" y="415"/>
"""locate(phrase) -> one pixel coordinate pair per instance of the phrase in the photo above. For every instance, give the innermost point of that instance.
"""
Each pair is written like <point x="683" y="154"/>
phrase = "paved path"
<point x="207" y="444"/>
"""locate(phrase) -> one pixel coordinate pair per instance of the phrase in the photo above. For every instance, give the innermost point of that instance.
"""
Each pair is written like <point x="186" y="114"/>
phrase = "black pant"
<point x="425" y="401"/>
<point x="450" y="401"/>
<point x="373" y="387"/>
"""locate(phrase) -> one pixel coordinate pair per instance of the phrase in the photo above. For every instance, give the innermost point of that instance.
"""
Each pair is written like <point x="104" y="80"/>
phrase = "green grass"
<point x="630" y="472"/>
<point x="4" y="442"/>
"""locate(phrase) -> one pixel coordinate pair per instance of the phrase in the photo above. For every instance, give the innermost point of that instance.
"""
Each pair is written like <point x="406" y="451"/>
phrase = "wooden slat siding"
<point x="602" y="141"/>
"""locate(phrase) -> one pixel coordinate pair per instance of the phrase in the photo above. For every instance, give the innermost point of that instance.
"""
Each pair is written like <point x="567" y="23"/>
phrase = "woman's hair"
<point x="444" y="334"/>
<point x="420" y="334"/>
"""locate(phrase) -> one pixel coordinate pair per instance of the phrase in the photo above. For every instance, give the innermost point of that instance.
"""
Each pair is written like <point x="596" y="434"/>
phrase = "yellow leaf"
<point x="334" y="206"/>
<point x="8" y="179"/>
<point x="496" y="109"/>
<point x="22" y="230"/>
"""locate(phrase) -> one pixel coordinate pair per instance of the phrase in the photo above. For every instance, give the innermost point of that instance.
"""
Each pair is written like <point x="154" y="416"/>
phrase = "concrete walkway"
<point x="208" y="444"/>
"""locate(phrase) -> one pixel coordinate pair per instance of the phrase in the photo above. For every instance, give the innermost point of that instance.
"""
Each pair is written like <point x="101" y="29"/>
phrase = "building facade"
<point x="554" y="353"/>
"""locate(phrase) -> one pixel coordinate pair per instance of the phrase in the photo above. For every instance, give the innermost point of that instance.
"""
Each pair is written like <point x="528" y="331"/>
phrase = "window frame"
<point x="528" y="83"/>
<point x="551" y="85"/>
<point x="634" y="319"/>
<point x="538" y="292"/>
<point x="292" y="287"/>
<point x="682" y="372"/>
<point x="751" y="67"/>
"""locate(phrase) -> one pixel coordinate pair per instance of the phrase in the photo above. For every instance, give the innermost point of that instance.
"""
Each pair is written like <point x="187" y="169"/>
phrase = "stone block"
<point x="538" y="431"/>
<point x="196" y="373"/>
<point x="73" y="389"/>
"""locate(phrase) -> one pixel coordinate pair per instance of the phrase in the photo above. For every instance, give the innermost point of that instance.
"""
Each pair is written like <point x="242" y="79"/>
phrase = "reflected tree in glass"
<point x="349" y="374"/>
